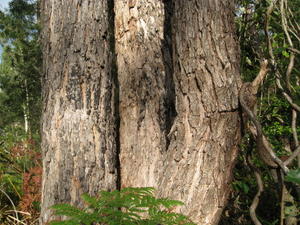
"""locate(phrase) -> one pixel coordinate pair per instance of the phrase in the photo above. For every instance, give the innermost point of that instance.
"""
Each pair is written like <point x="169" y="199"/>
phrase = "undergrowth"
<point x="130" y="206"/>
<point x="20" y="178"/>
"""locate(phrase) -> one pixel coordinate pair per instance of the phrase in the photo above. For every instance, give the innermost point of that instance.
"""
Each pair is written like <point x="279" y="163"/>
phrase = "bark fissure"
<point x="111" y="12"/>
<point x="201" y="154"/>
<point x="167" y="53"/>
<point x="155" y="104"/>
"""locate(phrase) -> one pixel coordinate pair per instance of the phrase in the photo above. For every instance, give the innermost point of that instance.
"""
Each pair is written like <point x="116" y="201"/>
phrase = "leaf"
<point x="69" y="222"/>
<point x="293" y="176"/>
<point x="127" y="207"/>
<point x="66" y="210"/>
<point x="285" y="54"/>
<point x="240" y="185"/>
<point x="92" y="201"/>
<point x="170" y="203"/>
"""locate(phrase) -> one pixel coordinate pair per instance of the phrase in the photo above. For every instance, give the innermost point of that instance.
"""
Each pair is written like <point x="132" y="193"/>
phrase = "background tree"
<point x="20" y="88"/>
<point x="20" y="66"/>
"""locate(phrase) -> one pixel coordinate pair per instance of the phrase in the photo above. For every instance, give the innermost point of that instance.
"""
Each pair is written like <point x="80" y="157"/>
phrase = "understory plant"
<point x="128" y="206"/>
<point x="20" y="177"/>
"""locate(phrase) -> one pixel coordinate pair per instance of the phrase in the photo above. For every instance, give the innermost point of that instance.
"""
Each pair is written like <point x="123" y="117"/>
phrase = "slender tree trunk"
<point x="146" y="88"/>
<point x="26" y="110"/>
<point x="79" y="121"/>
<point x="206" y="133"/>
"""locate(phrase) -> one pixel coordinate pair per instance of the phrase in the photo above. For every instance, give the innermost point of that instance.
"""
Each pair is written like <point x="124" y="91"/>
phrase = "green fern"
<point x="130" y="206"/>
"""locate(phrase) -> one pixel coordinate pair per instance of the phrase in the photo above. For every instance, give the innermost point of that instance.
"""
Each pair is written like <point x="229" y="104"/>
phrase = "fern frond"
<point x="130" y="206"/>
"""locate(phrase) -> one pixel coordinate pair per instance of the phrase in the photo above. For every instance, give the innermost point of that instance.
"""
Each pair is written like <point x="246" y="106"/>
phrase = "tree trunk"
<point x="146" y="92"/>
<point x="206" y="132"/>
<point x="79" y="116"/>
<point x="178" y="81"/>
<point x="26" y="113"/>
<point x="195" y="164"/>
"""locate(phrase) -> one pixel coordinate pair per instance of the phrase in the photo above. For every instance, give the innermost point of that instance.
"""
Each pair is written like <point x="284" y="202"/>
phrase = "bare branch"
<point x="289" y="71"/>
<point x="295" y="153"/>
<point x="284" y="23"/>
<point x="285" y="94"/>
<point x="266" y="152"/>
<point x="263" y="146"/>
<point x="255" y="200"/>
<point x="294" y="128"/>
<point x="294" y="50"/>
<point x="261" y="75"/>
<point x="269" y="43"/>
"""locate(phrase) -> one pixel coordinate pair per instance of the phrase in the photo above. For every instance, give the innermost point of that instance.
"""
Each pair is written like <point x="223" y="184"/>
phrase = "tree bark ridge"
<point x="204" y="142"/>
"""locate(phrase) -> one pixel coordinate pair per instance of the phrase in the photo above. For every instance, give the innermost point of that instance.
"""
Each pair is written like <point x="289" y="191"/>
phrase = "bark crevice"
<point x="167" y="54"/>
<point x="114" y="73"/>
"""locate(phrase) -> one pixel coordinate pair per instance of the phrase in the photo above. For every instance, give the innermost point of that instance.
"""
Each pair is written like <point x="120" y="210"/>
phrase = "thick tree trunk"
<point x="178" y="87"/>
<point x="146" y="92"/>
<point x="196" y="165"/>
<point x="206" y="134"/>
<point x="79" y="121"/>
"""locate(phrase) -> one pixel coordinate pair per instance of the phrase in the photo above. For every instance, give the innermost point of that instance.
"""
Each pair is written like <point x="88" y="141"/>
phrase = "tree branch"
<point x="256" y="198"/>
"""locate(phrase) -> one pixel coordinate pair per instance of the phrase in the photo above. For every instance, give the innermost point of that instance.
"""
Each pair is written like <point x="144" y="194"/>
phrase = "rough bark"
<point x="179" y="121"/>
<point x="205" y="134"/>
<point x="146" y="88"/>
<point x="79" y="121"/>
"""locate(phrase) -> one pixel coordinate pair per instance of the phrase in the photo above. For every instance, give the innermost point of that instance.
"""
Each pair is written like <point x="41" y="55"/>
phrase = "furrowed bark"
<point x="179" y="121"/>
<point x="79" y="121"/>
<point x="205" y="134"/>
<point x="146" y="88"/>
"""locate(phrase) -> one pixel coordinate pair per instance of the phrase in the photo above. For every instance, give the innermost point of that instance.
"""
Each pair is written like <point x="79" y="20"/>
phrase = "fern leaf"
<point x="66" y="210"/>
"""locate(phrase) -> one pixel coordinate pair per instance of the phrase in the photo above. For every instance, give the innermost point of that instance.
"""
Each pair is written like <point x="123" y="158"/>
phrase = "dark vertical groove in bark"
<point x="111" y="12"/>
<point x="167" y="53"/>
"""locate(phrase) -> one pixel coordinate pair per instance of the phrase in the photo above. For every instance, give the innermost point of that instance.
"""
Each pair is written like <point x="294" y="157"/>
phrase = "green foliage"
<point x="20" y="65"/>
<point x="276" y="120"/>
<point x="20" y="91"/>
<point x="126" y="207"/>
<point x="274" y="112"/>
<point x="16" y="158"/>
<point x="293" y="176"/>
<point x="10" y="167"/>
<point x="241" y="186"/>
<point x="19" y="158"/>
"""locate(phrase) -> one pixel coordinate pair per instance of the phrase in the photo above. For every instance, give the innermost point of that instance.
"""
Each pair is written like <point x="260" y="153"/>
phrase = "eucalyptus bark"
<point x="187" y="152"/>
<point x="206" y="132"/>
<point x="79" y="116"/>
<point x="178" y="81"/>
<point x="146" y="91"/>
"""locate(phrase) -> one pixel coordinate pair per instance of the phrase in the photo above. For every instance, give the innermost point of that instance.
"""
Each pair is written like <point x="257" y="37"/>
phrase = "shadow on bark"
<point x="167" y="53"/>
<point x="114" y="72"/>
